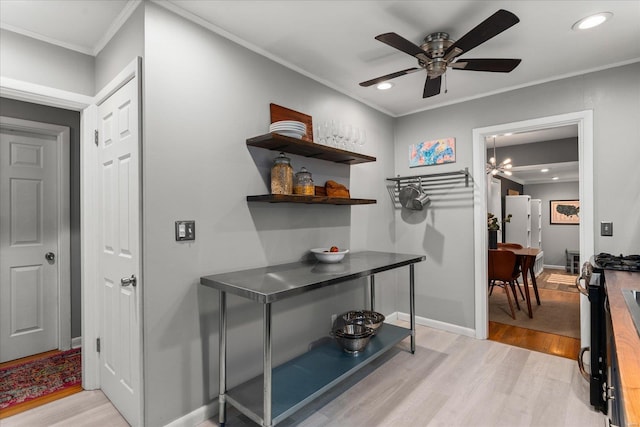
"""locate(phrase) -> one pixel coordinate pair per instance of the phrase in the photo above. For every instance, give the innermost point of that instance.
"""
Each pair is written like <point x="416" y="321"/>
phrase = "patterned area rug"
<point x="562" y="279"/>
<point x="557" y="280"/>
<point x="559" y="312"/>
<point x="33" y="379"/>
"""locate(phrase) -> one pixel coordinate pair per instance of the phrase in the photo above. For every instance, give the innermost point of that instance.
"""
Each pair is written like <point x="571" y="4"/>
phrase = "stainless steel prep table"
<point x="283" y="391"/>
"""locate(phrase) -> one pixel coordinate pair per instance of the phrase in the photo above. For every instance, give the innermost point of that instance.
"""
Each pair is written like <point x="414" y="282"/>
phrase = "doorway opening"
<point x="584" y="122"/>
<point x="543" y="171"/>
<point x="38" y="256"/>
<point x="91" y="294"/>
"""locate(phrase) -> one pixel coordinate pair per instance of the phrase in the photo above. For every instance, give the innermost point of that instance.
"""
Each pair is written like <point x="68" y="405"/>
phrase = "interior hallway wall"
<point x="556" y="238"/>
<point x="445" y="288"/>
<point x="203" y="97"/>
<point x="123" y="47"/>
<point x="30" y="60"/>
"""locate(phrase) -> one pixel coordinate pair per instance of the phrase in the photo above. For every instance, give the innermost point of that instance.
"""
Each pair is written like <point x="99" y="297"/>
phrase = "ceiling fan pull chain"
<point x="445" y="82"/>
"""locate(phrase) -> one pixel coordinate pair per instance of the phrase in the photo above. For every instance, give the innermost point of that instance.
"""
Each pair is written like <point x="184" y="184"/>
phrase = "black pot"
<point x="493" y="239"/>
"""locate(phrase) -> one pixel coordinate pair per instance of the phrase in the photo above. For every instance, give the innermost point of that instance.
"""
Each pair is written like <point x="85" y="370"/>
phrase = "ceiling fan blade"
<point x="493" y="65"/>
<point x="431" y="87"/>
<point x="389" y="76"/>
<point x="487" y="29"/>
<point x="396" y="41"/>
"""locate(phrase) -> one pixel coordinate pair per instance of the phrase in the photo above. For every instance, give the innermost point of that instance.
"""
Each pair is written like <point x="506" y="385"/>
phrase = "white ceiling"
<point x="526" y="173"/>
<point x="333" y="41"/>
<point x="549" y="134"/>
<point x="84" y="26"/>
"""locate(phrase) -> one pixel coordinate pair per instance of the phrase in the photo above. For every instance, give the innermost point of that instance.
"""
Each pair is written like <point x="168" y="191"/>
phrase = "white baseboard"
<point x="435" y="324"/>
<point x="555" y="267"/>
<point x="196" y="416"/>
<point x="76" y="342"/>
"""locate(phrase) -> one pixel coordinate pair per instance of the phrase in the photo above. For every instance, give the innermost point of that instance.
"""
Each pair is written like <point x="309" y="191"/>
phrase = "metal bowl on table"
<point x="353" y="338"/>
<point x="371" y="319"/>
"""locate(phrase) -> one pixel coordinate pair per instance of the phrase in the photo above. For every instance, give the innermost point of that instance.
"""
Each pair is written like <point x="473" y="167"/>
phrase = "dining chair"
<point x="503" y="272"/>
<point x="518" y="267"/>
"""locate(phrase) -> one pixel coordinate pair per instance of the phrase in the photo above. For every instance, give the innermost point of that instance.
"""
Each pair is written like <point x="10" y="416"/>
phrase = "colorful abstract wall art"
<point x="436" y="152"/>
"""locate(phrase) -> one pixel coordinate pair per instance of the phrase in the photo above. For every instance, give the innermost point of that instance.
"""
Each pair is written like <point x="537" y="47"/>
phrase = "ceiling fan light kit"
<point x="438" y="52"/>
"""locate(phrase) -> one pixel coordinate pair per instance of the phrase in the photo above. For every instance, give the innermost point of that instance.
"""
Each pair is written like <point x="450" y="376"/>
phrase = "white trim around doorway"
<point x="86" y="105"/>
<point x="584" y="121"/>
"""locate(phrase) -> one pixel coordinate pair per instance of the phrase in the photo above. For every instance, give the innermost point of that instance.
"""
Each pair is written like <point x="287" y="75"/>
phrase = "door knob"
<point x="126" y="281"/>
<point x="50" y="256"/>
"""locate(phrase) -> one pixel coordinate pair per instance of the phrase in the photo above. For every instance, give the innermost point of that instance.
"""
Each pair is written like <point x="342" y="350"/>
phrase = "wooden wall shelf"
<point x="276" y="142"/>
<point x="322" y="200"/>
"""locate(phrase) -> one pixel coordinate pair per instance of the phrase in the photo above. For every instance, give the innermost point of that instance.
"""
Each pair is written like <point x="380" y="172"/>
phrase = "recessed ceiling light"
<point x="508" y="134"/>
<point x="544" y="170"/>
<point x="555" y="178"/>
<point x="384" y="86"/>
<point x="592" y="21"/>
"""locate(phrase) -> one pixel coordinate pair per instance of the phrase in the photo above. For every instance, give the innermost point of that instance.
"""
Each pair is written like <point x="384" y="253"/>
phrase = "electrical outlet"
<point x="606" y="228"/>
<point x="185" y="230"/>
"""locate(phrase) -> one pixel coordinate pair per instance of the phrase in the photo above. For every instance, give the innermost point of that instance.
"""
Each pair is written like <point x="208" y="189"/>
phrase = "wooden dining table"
<point x="527" y="258"/>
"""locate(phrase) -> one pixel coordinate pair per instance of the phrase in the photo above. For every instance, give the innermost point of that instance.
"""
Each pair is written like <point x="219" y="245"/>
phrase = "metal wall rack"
<point x="436" y="184"/>
<point x="433" y="178"/>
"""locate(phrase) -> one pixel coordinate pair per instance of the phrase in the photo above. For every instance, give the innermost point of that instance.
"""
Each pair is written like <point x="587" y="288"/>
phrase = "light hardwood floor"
<point x="451" y="380"/>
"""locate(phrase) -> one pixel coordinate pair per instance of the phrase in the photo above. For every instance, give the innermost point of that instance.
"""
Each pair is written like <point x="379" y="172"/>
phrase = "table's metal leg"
<point x="266" y="419"/>
<point x="372" y="284"/>
<point x="222" y="359"/>
<point x="412" y="307"/>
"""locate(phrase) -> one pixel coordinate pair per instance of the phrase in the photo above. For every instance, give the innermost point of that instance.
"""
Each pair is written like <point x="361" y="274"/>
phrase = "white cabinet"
<point x="536" y="234"/>
<point x="525" y="227"/>
<point x="536" y="223"/>
<point x="519" y="229"/>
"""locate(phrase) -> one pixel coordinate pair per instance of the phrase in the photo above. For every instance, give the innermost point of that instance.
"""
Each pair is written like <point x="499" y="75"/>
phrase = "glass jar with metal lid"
<point x="303" y="184"/>
<point x="281" y="175"/>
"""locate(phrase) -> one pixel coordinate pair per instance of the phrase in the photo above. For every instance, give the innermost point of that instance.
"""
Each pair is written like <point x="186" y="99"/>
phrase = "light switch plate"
<point x="185" y="230"/>
<point x="606" y="228"/>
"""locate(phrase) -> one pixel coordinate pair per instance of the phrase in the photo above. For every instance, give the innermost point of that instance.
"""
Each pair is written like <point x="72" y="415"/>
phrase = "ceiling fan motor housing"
<point x="435" y="45"/>
<point x="437" y="52"/>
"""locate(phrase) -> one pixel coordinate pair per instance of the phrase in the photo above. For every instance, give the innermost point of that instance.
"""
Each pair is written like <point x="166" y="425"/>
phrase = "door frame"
<point x="584" y="121"/>
<point x="63" y="255"/>
<point x="86" y="105"/>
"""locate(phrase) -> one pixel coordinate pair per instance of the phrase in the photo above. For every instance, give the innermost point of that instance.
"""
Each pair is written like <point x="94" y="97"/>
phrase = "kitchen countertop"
<point x="627" y="341"/>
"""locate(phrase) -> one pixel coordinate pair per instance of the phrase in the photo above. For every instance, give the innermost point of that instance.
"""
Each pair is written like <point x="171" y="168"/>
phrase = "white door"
<point x="119" y="250"/>
<point x="28" y="232"/>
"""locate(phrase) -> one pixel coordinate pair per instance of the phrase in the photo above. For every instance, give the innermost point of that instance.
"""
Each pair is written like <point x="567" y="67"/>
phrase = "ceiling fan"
<point x="439" y="52"/>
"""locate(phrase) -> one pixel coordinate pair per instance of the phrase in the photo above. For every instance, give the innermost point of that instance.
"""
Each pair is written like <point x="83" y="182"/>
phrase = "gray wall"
<point x="203" y="97"/>
<point x="30" y="60"/>
<point x="445" y="282"/>
<point x="538" y="153"/>
<point x="127" y="44"/>
<point x="58" y="116"/>
<point x="556" y="238"/>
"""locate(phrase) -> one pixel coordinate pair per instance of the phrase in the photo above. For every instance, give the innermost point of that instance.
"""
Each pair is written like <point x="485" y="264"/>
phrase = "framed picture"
<point x="564" y="212"/>
<point x="429" y="153"/>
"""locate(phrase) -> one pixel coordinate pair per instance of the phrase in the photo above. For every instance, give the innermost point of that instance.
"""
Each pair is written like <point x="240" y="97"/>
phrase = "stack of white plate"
<point x="290" y="128"/>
